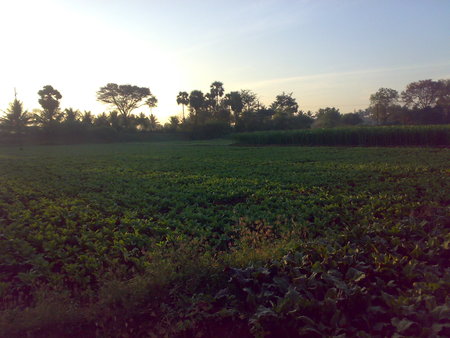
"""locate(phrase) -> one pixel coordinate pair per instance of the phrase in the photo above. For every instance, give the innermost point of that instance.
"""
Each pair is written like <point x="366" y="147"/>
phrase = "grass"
<point x="163" y="238"/>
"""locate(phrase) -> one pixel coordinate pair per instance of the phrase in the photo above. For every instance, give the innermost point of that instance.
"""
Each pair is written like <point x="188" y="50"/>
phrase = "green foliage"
<point x="200" y="238"/>
<point x="285" y="104"/>
<point x="353" y="136"/>
<point x="425" y="93"/>
<point x="383" y="103"/>
<point x="327" y="118"/>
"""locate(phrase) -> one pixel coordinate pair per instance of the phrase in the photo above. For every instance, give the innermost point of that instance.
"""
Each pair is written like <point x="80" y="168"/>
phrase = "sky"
<point x="328" y="53"/>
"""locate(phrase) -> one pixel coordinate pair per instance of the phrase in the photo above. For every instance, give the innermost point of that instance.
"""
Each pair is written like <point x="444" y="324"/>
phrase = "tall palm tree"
<point x="183" y="99"/>
<point x="217" y="91"/>
<point x="196" y="103"/>
<point x="210" y="102"/>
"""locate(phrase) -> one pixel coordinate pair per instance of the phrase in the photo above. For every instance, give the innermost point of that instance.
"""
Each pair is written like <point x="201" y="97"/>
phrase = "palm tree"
<point x="217" y="90"/>
<point x="210" y="101"/>
<point x="71" y="116"/>
<point x="87" y="119"/>
<point x="16" y="119"/>
<point x="101" y="120"/>
<point x="234" y="101"/>
<point x="196" y="103"/>
<point x="183" y="99"/>
<point x="153" y="122"/>
<point x="173" y="123"/>
<point x="143" y="123"/>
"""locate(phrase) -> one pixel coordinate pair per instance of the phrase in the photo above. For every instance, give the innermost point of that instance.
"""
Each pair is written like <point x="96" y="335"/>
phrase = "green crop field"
<point x="179" y="239"/>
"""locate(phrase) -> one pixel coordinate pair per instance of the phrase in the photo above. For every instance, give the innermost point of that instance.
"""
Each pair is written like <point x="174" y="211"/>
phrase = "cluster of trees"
<point x="240" y="110"/>
<point x="422" y="102"/>
<point x="52" y="124"/>
<point x="212" y="114"/>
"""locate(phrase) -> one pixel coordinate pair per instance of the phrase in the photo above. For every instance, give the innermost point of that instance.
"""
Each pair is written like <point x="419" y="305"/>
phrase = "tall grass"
<point x="352" y="136"/>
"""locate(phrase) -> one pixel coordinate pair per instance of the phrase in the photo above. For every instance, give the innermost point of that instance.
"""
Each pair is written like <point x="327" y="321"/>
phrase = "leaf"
<point x="306" y="320"/>
<point x="376" y="309"/>
<point x="282" y="283"/>
<point x="437" y="327"/>
<point x="339" y="283"/>
<point x="317" y="267"/>
<point x="402" y="325"/>
<point x="355" y="275"/>
<point x="441" y="312"/>
<point x="289" y="302"/>
<point x="262" y="312"/>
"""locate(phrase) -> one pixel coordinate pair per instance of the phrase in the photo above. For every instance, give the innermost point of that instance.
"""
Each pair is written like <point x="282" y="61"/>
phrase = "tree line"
<point x="212" y="114"/>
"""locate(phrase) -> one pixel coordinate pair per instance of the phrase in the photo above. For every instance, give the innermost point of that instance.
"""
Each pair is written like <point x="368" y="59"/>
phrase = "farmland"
<point x="174" y="238"/>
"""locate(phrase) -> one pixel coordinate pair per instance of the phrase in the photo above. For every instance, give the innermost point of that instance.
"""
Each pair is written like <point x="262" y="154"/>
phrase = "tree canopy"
<point x="49" y="101"/>
<point x="285" y="104"/>
<point x="423" y="94"/>
<point x="382" y="103"/>
<point x="125" y="98"/>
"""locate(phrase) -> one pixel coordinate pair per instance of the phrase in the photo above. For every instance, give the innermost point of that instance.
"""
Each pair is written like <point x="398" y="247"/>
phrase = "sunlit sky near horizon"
<point x="328" y="53"/>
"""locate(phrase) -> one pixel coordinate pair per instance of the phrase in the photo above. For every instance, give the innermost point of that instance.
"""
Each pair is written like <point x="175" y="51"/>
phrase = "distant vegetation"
<point x="211" y="115"/>
<point x="363" y="136"/>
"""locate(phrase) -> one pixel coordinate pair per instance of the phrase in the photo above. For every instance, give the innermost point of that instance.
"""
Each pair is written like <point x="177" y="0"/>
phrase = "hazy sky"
<point x="327" y="52"/>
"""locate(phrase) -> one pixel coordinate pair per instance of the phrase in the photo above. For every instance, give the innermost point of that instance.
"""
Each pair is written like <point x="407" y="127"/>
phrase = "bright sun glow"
<point x="77" y="55"/>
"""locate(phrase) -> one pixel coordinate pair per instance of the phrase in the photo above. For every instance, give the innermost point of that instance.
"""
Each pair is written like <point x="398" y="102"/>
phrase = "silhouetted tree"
<point x="50" y="115"/>
<point x="183" y="99"/>
<point x="71" y="116"/>
<point x="142" y="122"/>
<point x="285" y="104"/>
<point x="101" y="120"/>
<point x="16" y="120"/>
<point x="115" y="120"/>
<point x="216" y="89"/>
<point x="382" y="104"/>
<point x="152" y="102"/>
<point x="327" y="118"/>
<point x="443" y="101"/>
<point x="87" y="119"/>
<point x="351" y="119"/>
<point x="422" y="94"/>
<point x="196" y="103"/>
<point x="210" y="103"/>
<point x="153" y="123"/>
<point x="249" y="100"/>
<point x="174" y="122"/>
<point x="234" y="101"/>
<point x="125" y="98"/>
